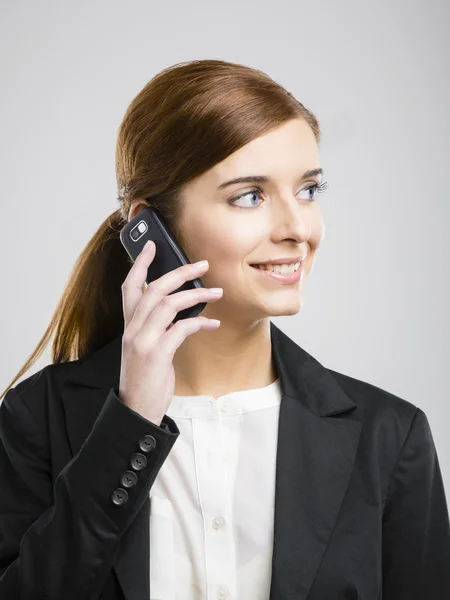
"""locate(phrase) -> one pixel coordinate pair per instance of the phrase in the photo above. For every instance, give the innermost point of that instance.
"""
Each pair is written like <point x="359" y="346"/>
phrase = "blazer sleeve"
<point x="416" y="528"/>
<point x="60" y="540"/>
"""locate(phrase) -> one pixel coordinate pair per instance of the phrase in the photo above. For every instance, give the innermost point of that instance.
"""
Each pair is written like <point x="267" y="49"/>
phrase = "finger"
<point x="174" y="337"/>
<point x="159" y="291"/>
<point x="133" y="283"/>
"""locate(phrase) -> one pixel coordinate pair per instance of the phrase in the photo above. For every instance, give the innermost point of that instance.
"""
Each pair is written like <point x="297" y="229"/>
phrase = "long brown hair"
<point x="185" y="120"/>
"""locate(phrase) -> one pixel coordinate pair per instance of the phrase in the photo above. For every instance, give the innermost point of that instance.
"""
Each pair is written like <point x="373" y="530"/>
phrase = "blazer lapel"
<point x="315" y="457"/>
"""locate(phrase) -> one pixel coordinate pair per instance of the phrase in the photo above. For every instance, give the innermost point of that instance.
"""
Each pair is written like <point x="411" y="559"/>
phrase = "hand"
<point x="150" y="340"/>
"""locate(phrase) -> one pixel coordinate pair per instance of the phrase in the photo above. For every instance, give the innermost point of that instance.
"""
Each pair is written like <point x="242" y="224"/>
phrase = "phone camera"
<point x="138" y="231"/>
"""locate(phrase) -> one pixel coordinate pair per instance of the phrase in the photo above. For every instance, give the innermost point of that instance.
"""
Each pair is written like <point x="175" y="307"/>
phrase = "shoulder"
<point x="36" y="394"/>
<point x="392" y="428"/>
<point x="46" y="380"/>
<point x="373" y="402"/>
<point x="386" y="418"/>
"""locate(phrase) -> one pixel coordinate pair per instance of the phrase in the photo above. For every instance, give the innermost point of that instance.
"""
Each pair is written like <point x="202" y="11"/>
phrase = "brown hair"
<point x="185" y="120"/>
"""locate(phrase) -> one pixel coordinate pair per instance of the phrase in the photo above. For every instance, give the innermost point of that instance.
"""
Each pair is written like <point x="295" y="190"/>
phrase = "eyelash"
<point x="319" y="187"/>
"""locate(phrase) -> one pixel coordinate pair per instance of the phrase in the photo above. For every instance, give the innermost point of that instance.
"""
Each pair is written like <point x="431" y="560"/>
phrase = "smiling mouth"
<point x="290" y="278"/>
<point x="292" y="269"/>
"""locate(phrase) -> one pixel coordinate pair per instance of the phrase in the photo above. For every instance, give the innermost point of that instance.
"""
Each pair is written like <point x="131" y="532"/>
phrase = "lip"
<point x="286" y="279"/>
<point x="282" y="261"/>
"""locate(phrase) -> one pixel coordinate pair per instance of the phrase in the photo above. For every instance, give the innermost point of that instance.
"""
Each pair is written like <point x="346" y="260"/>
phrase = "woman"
<point x="211" y="460"/>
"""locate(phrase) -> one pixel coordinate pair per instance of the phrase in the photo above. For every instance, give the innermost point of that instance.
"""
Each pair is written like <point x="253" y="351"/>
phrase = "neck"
<point x="225" y="360"/>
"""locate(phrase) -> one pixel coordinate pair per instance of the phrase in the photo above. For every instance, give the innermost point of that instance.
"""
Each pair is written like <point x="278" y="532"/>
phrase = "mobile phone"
<point x="149" y="224"/>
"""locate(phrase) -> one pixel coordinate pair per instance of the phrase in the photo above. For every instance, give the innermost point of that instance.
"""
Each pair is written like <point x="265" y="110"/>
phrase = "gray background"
<point x="377" y="77"/>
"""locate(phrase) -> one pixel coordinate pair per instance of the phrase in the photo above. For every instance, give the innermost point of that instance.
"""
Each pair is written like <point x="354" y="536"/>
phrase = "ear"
<point x="136" y="206"/>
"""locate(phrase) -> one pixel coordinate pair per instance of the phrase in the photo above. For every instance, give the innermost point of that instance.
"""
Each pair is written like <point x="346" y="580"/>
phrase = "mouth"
<point x="280" y="269"/>
<point x="287" y="264"/>
<point x="294" y="275"/>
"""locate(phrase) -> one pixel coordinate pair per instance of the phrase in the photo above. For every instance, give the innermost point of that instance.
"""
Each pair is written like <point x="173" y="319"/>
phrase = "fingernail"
<point x="147" y="243"/>
<point x="200" y="263"/>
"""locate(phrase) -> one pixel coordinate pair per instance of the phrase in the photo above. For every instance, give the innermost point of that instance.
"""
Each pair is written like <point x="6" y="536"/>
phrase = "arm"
<point x="61" y="541"/>
<point x="416" y="529"/>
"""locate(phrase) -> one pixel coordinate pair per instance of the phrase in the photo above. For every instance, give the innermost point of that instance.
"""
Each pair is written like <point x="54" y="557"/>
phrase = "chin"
<point x="288" y="308"/>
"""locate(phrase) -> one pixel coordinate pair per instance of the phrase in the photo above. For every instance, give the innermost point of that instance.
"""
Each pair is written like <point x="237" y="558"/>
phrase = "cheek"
<point x="224" y="248"/>
<point x="226" y="241"/>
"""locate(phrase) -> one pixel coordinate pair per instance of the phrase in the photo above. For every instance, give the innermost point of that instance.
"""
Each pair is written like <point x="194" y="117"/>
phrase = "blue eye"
<point x="316" y="187"/>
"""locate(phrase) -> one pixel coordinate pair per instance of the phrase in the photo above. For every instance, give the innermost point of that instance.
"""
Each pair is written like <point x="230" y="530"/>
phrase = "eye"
<point x="256" y="191"/>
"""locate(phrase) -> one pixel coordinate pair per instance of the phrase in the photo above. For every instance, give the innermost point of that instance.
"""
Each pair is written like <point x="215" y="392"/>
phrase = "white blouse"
<point x="212" y="502"/>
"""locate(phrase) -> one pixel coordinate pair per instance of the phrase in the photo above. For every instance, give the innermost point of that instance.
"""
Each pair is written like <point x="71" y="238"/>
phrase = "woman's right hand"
<point x="149" y="342"/>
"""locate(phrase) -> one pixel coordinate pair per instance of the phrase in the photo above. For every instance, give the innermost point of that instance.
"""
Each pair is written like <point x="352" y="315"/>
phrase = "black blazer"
<point x="360" y="508"/>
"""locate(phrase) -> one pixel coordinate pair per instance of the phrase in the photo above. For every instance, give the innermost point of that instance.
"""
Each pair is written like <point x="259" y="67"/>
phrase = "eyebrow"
<point x="265" y="179"/>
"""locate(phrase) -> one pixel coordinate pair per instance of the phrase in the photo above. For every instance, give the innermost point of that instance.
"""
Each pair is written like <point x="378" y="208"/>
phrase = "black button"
<point x="138" y="461"/>
<point x="147" y="443"/>
<point x="128" y="479"/>
<point x="119" y="496"/>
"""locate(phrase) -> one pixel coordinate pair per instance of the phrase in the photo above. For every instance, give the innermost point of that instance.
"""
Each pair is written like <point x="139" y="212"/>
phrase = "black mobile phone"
<point x="149" y="224"/>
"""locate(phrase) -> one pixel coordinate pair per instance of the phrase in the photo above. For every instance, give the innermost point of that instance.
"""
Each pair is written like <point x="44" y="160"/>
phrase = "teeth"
<point x="282" y="269"/>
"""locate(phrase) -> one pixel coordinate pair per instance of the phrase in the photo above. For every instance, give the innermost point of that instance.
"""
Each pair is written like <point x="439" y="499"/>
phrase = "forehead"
<point x="285" y="152"/>
<point x="290" y="148"/>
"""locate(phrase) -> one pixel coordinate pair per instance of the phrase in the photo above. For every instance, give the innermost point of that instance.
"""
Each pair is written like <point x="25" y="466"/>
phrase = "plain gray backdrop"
<point x="375" y="74"/>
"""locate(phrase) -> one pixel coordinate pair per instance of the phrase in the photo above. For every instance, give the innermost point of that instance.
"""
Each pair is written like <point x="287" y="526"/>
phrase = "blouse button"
<point x="222" y="592"/>
<point x="218" y="522"/>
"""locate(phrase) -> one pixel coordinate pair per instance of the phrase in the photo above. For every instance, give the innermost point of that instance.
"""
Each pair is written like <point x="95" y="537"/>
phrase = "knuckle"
<point x="167" y="302"/>
<point x="138" y="346"/>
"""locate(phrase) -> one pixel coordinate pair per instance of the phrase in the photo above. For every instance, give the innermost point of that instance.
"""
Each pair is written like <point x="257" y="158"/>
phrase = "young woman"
<point x="211" y="459"/>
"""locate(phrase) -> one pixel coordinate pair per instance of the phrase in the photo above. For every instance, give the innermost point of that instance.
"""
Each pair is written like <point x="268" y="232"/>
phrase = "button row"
<point x="138" y="461"/>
